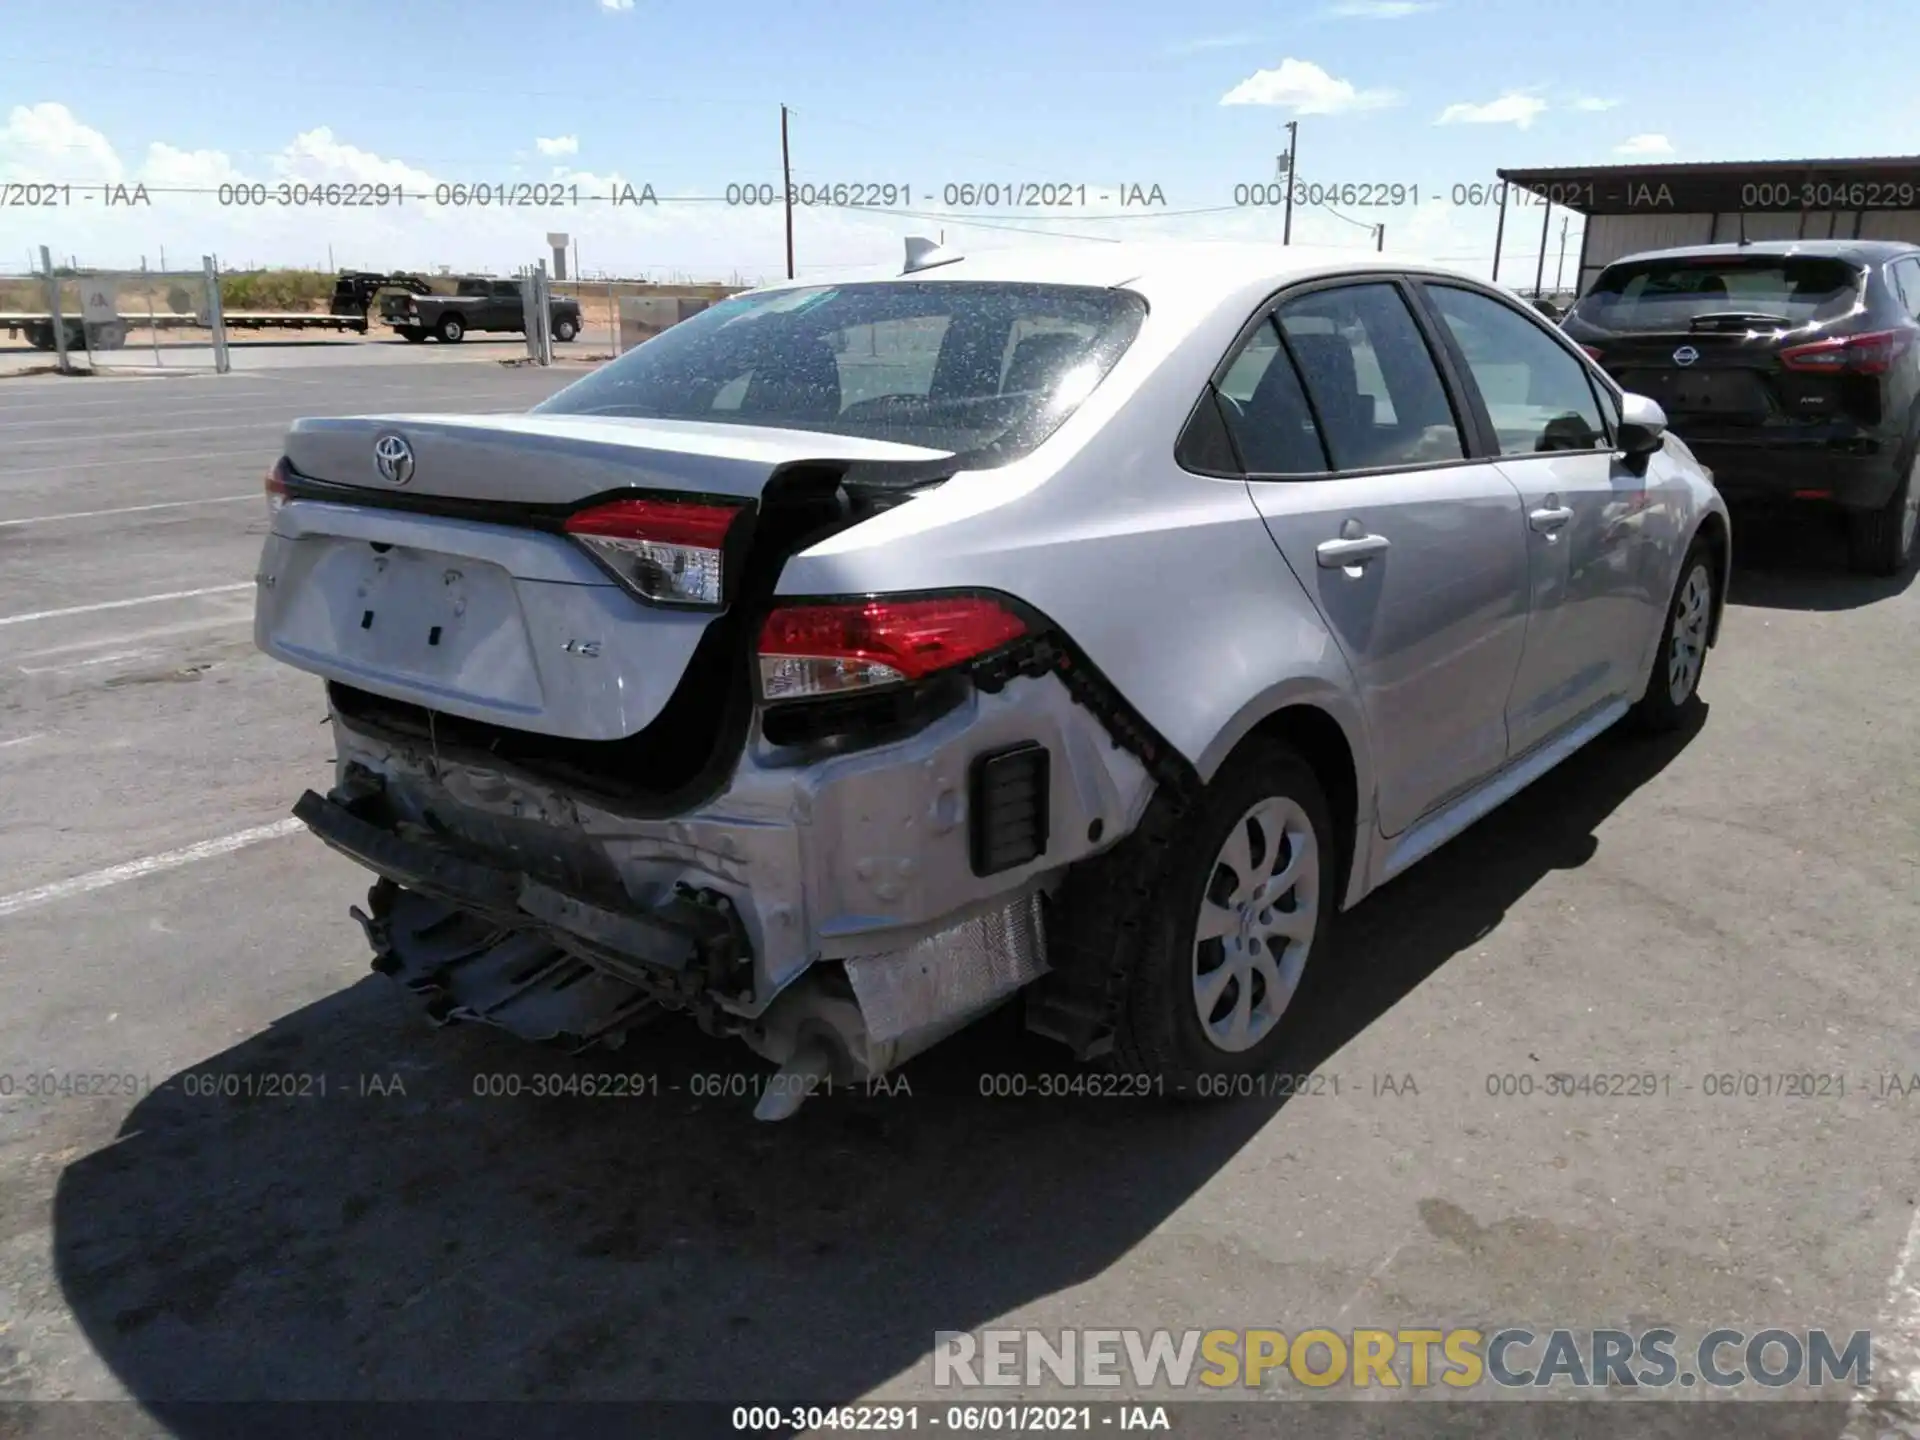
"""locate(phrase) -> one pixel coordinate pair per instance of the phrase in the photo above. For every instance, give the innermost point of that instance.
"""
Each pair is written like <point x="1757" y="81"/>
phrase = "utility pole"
<point x="786" y="176"/>
<point x="1380" y="236"/>
<point x="1293" y="170"/>
<point x="1500" y="231"/>
<point x="1540" y="269"/>
<point x="1560" y="269"/>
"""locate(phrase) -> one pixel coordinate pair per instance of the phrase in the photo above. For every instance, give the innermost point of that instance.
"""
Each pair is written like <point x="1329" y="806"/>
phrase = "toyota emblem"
<point x="394" y="459"/>
<point x="1685" y="355"/>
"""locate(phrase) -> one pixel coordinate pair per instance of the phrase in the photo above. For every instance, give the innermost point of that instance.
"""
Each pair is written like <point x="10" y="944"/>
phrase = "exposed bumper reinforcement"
<point x="485" y="944"/>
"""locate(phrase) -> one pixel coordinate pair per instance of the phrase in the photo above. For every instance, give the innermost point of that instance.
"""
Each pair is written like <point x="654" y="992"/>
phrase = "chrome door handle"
<point x="1550" y="519"/>
<point x="1349" y="550"/>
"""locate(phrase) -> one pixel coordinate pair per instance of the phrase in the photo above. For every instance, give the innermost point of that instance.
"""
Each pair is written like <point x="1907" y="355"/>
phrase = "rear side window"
<point x="1537" y="395"/>
<point x="1672" y="294"/>
<point x="1376" y="394"/>
<point x="1906" y="283"/>
<point x="1266" y="410"/>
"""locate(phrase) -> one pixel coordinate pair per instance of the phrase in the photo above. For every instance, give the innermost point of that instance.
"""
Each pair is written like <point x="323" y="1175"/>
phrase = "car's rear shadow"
<point x="1797" y="560"/>
<point x="440" y="1243"/>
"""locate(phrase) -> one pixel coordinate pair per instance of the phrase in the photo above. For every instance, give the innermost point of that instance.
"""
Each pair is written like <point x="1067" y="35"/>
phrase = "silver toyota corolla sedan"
<point x="1093" y="623"/>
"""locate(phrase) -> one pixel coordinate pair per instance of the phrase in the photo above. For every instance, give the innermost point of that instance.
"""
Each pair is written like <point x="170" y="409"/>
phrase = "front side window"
<point x="1537" y="395"/>
<point x="986" y="370"/>
<point x="1376" y="393"/>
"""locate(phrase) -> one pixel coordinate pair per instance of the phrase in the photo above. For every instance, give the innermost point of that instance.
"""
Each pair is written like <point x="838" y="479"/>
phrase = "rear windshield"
<point x="1671" y="294"/>
<point x="987" y="370"/>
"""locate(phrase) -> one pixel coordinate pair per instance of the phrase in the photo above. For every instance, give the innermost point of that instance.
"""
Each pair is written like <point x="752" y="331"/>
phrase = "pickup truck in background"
<point x="489" y="305"/>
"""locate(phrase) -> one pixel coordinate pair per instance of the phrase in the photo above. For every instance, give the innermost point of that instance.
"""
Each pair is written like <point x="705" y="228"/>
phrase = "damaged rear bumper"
<point x="827" y="914"/>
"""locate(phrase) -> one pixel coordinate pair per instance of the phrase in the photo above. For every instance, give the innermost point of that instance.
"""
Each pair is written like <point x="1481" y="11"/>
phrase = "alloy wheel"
<point x="1689" y="650"/>
<point x="1256" y="924"/>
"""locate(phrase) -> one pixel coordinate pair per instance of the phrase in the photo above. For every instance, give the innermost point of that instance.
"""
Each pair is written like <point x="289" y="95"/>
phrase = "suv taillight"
<point x="669" y="551"/>
<point x="1869" y="354"/>
<point x="812" y="650"/>
<point x="276" y="486"/>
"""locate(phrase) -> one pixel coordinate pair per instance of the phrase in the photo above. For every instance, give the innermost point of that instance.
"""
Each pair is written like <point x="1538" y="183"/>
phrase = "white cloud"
<point x="616" y="4"/>
<point x="47" y="142"/>
<point x="1382" y="9"/>
<point x="1644" y="145"/>
<point x="558" y="145"/>
<point x="1306" y="89"/>
<point x="1209" y="42"/>
<point x="1591" y="102"/>
<point x="1514" y="108"/>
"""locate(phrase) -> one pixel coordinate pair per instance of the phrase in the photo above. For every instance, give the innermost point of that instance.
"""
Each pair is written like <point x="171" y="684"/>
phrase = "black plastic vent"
<point x="1007" y="793"/>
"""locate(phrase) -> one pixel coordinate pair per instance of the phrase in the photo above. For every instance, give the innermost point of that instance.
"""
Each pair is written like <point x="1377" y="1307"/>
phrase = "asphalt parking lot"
<point x="1740" y="900"/>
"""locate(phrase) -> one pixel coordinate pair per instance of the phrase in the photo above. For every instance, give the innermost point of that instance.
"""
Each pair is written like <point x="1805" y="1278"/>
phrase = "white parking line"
<point x="123" y="604"/>
<point x="83" y="664"/>
<point x="264" y="457"/>
<point x="21" y="740"/>
<point x="134" y="869"/>
<point x="119" y="435"/>
<point x="129" y="637"/>
<point x="127" y="510"/>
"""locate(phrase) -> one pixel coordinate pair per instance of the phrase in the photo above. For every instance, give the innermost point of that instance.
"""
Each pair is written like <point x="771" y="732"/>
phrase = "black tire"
<point x="451" y="329"/>
<point x="412" y="337"/>
<point x="1881" y="542"/>
<point x="564" y="330"/>
<point x="1660" y="710"/>
<point x="1141" y="903"/>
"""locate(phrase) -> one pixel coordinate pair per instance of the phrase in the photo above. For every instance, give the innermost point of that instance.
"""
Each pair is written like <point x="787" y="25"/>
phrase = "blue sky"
<point x="1427" y="93"/>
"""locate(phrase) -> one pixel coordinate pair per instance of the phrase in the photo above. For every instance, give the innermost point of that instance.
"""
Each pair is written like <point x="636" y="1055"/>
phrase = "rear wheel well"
<point x="1320" y="741"/>
<point x="1713" y="534"/>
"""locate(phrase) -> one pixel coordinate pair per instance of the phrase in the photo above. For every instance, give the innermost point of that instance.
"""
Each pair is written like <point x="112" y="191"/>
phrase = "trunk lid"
<point x="454" y="588"/>
<point x="1702" y="335"/>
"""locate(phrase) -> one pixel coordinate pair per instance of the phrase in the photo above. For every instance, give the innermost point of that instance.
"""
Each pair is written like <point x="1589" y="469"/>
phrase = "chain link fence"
<point x="85" y="319"/>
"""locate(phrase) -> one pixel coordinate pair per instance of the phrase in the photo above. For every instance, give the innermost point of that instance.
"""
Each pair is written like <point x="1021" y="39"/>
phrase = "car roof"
<point x="1865" y="252"/>
<point x="1192" y="269"/>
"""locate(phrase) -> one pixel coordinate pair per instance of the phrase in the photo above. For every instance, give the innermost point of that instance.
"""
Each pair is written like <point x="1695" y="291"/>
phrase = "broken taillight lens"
<point x="831" y="649"/>
<point x="668" y="551"/>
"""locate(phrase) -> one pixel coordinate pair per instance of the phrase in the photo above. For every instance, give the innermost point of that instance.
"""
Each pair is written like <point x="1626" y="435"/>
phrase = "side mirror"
<point x="1643" y="429"/>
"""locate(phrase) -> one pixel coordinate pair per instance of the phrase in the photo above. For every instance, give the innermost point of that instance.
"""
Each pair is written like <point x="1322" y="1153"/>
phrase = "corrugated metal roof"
<point x="1528" y="175"/>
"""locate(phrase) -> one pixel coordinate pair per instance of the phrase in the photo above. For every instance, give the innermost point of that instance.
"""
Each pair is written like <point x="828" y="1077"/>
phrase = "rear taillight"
<point x="276" y="486"/>
<point x="669" y="551"/>
<point x="831" y="649"/>
<point x="1869" y="354"/>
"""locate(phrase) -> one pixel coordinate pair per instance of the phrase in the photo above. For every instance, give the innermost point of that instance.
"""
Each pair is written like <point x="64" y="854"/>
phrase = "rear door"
<point x="1586" y="627"/>
<point x="1414" y="553"/>
<point x="506" y="307"/>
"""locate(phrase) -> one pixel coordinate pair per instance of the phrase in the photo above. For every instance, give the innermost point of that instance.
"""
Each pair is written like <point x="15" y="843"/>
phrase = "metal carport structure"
<point x="1630" y="208"/>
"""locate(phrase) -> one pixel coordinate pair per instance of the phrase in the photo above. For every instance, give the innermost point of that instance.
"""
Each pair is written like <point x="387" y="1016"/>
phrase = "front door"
<point x="1586" y="629"/>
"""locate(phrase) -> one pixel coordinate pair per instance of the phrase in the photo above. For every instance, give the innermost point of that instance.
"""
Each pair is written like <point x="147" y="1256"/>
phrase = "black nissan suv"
<point x="1791" y="368"/>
